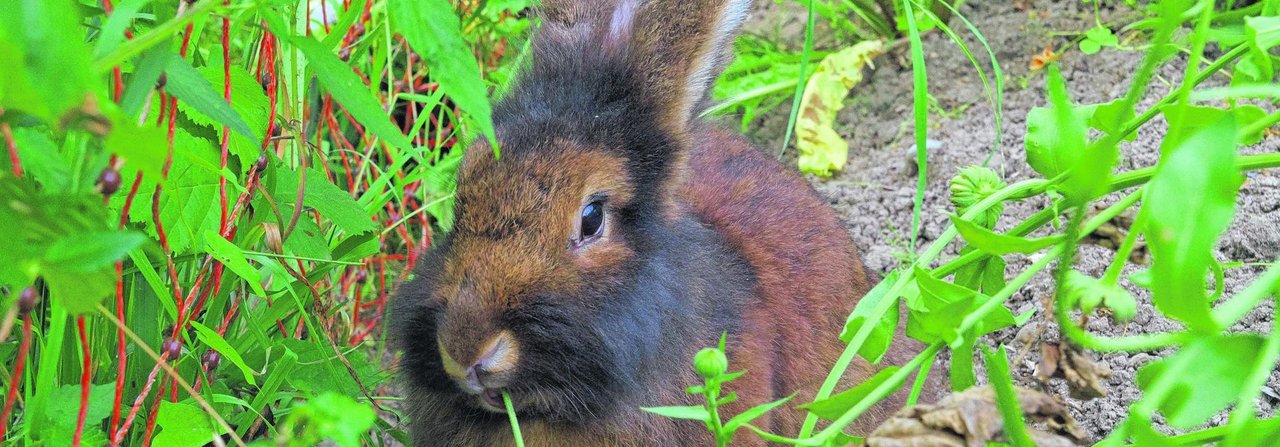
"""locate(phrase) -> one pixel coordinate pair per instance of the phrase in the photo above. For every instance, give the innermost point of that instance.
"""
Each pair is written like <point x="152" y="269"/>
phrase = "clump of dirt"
<point x="875" y="191"/>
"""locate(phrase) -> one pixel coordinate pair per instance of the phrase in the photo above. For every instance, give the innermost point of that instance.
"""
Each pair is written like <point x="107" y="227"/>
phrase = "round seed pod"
<point x="171" y="348"/>
<point x="109" y="181"/>
<point x="27" y="300"/>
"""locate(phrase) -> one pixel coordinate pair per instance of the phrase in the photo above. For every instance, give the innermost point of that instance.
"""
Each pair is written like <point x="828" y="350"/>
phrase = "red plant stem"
<point x="14" y="162"/>
<point x="118" y="436"/>
<point x="86" y="373"/>
<point x="121" y="358"/>
<point x="16" y="377"/>
<point x="151" y="417"/>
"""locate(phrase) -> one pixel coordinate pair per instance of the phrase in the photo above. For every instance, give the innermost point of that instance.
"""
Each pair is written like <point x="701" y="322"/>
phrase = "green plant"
<point x="713" y="366"/>
<point x="245" y="180"/>
<point x="1075" y="148"/>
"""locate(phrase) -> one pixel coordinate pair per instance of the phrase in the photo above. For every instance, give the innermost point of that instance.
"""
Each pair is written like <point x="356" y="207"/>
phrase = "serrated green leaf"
<point x="247" y="100"/>
<point x="192" y="88"/>
<point x="340" y="81"/>
<point x="1197" y="173"/>
<point x="1000" y="244"/>
<point x="189" y="203"/>
<point x="331" y="202"/>
<point x="184" y="425"/>
<point x="233" y="258"/>
<point x="433" y="31"/>
<point x="692" y="412"/>
<point x="211" y="338"/>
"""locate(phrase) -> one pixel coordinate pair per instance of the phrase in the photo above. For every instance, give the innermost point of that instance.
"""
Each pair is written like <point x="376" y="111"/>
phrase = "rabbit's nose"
<point x="498" y="356"/>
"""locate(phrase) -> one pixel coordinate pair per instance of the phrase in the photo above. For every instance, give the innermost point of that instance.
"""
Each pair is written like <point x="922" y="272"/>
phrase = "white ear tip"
<point x="621" y="24"/>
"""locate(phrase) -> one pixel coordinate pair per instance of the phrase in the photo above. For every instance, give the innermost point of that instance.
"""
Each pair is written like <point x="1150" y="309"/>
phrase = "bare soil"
<point x="875" y="191"/>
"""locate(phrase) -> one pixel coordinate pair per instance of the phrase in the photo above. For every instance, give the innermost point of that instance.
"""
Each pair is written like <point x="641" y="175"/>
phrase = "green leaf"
<point x="1090" y="46"/>
<point x="211" y="338"/>
<point x="942" y="306"/>
<point x="1207" y="376"/>
<point x="184" y="425"/>
<point x="1055" y="135"/>
<point x="192" y="88"/>
<point x="1196" y="174"/>
<point x="142" y="147"/>
<point x="87" y="252"/>
<point x="877" y="343"/>
<point x="63" y="411"/>
<point x="753" y="413"/>
<point x="41" y="160"/>
<point x="1000" y="244"/>
<point x="835" y="406"/>
<point x="331" y="202"/>
<point x="1057" y="143"/>
<point x="142" y="82"/>
<point x="1089" y="293"/>
<point x="50" y="76"/>
<point x="985" y="275"/>
<point x="692" y="412"/>
<point x="332" y="416"/>
<point x="233" y="258"/>
<point x="189" y="203"/>
<point x="340" y="81"/>
<point x="247" y="100"/>
<point x="433" y="31"/>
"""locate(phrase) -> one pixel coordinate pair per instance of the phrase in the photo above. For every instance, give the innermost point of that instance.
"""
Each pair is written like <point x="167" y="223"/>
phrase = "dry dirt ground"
<point x="875" y="191"/>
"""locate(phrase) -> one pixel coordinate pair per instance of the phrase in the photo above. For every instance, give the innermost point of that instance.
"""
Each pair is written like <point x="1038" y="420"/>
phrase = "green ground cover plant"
<point x="209" y="202"/>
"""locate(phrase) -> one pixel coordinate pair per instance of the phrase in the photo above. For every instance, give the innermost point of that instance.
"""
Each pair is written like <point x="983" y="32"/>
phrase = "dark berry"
<point x="357" y="30"/>
<point x="344" y="54"/>
<point x="261" y="164"/>
<point x="275" y="131"/>
<point x="266" y="80"/>
<point x="162" y="81"/>
<point x="109" y="181"/>
<point x="27" y="300"/>
<point x="361" y="276"/>
<point x="172" y="348"/>
<point x="211" y="360"/>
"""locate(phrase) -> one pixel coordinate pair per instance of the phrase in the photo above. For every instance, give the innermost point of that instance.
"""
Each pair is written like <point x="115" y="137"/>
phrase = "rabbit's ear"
<point x="679" y="47"/>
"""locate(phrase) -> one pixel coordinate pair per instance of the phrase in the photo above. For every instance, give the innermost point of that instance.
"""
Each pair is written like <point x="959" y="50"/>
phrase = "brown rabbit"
<point x="617" y="235"/>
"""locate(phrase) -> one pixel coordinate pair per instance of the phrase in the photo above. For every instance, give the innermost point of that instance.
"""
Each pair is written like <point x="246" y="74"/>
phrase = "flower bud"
<point x="710" y="362"/>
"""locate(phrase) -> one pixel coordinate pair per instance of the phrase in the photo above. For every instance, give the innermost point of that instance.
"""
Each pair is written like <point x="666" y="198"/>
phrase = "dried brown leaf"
<point x="1050" y="355"/>
<point x="972" y="419"/>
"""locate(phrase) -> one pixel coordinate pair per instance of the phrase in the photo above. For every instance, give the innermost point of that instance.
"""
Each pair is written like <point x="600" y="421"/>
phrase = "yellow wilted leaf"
<point x="821" y="148"/>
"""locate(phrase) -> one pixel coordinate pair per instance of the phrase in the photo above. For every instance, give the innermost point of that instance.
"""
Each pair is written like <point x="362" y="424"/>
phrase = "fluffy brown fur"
<point x="702" y="235"/>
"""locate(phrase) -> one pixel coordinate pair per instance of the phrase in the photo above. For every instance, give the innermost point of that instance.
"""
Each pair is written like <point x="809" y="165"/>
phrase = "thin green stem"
<point x="511" y="416"/>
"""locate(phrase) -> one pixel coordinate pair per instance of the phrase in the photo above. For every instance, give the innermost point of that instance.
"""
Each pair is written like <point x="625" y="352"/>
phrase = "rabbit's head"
<point x="533" y="290"/>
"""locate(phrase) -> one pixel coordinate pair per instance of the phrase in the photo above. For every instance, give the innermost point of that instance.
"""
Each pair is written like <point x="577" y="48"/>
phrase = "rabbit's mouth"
<point x="491" y="399"/>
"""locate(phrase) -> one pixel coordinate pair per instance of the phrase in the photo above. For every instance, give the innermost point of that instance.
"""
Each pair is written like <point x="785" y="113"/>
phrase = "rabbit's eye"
<point x="592" y="220"/>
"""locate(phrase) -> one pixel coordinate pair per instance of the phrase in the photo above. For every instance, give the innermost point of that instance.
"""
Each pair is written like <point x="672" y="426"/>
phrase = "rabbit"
<point x="615" y="235"/>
